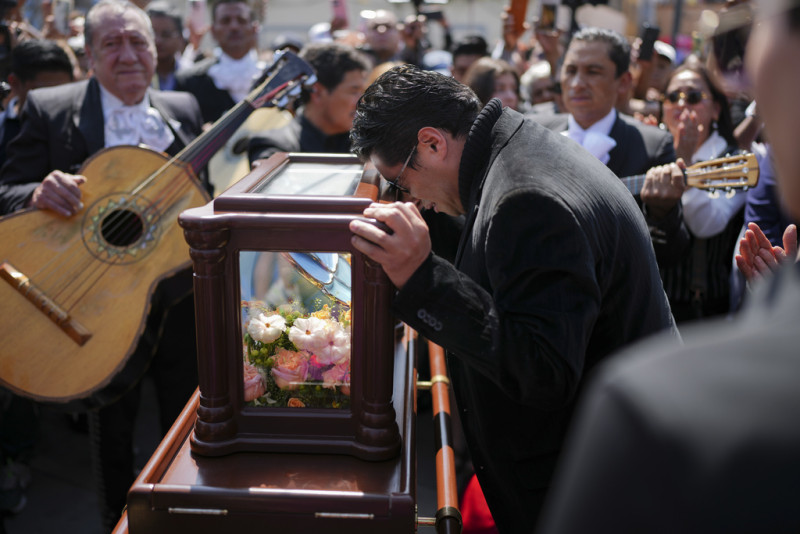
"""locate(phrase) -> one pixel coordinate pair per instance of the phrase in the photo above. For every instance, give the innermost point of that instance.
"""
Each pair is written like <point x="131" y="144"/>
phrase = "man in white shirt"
<point x="594" y="74"/>
<point x="220" y="82"/>
<point x="64" y="126"/>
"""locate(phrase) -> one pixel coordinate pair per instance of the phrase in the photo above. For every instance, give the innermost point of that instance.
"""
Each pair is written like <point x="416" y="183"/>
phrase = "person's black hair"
<point x="33" y="56"/>
<point x="163" y="9"/>
<point x="216" y="3"/>
<point x="724" y="121"/>
<point x="482" y="76"/>
<point x="332" y="62"/>
<point x="619" y="50"/>
<point x="404" y="100"/>
<point x="471" y="45"/>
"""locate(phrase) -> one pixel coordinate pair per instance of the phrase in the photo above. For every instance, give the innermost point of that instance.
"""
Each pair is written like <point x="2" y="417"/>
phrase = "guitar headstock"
<point x="281" y="82"/>
<point x="724" y="174"/>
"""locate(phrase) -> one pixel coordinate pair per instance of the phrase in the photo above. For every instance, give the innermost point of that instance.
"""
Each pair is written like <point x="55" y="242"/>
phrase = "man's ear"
<point x="432" y="140"/>
<point x="625" y="83"/>
<point x="316" y="91"/>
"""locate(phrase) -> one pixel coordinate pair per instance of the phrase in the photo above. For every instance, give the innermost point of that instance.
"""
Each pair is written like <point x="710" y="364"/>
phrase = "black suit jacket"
<point x="543" y="287"/>
<point x="214" y="102"/>
<point x="639" y="146"/>
<point x="699" y="438"/>
<point x="300" y="135"/>
<point x="62" y="126"/>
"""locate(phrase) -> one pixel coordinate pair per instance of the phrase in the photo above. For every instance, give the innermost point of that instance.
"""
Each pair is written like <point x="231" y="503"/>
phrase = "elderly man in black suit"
<point x="61" y="128"/>
<point x="703" y="438"/>
<point x="594" y="73"/>
<point x="540" y="290"/>
<point x="220" y="82"/>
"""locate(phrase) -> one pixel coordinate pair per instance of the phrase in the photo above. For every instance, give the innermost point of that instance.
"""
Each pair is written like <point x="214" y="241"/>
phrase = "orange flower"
<point x="294" y="402"/>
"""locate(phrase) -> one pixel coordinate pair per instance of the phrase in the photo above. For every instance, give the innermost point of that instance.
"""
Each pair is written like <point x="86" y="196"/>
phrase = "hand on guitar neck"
<point x="663" y="188"/>
<point x="59" y="192"/>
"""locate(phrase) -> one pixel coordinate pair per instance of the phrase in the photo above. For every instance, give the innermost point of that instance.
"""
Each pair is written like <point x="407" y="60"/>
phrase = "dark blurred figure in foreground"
<point x="703" y="438"/>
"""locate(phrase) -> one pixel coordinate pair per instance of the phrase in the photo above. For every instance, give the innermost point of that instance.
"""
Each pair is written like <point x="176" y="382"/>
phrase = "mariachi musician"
<point x="63" y="127"/>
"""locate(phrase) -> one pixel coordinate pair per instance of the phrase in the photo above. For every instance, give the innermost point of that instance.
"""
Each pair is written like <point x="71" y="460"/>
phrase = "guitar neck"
<point x="278" y="84"/>
<point x="634" y="183"/>
<point x="198" y="153"/>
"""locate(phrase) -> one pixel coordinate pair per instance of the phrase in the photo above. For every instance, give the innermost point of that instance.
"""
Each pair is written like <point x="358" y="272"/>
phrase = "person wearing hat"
<point x="383" y="39"/>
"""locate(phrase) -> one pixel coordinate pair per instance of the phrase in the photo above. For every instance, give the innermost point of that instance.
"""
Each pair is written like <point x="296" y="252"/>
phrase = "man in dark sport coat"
<point x="61" y="128"/>
<point x="594" y="74"/>
<point x="540" y="290"/>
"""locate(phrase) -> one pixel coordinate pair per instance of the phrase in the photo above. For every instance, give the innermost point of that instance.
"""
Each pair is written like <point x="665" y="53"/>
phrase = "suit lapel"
<point x="88" y="121"/>
<point x="617" y="154"/>
<point x="157" y="103"/>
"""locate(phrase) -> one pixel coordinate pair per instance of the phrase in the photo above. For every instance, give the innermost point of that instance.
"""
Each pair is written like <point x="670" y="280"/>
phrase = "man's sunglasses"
<point x="691" y="97"/>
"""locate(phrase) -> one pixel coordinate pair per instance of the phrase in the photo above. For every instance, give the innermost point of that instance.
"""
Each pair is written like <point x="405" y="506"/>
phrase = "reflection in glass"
<point x="312" y="179"/>
<point x="296" y="335"/>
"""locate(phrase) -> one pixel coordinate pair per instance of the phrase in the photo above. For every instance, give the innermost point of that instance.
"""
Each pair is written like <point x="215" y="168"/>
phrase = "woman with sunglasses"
<point x="694" y="235"/>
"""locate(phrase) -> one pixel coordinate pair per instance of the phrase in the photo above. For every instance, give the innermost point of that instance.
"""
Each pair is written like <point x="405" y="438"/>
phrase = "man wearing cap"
<point x="383" y="39"/>
<point x="652" y="81"/>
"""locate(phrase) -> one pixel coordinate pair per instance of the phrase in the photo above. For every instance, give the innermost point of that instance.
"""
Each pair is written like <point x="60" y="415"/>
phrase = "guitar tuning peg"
<point x="282" y="102"/>
<point x="311" y="80"/>
<point x="729" y="193"/>
<point x="713" y="193"/>
<point x="295" y="90"/>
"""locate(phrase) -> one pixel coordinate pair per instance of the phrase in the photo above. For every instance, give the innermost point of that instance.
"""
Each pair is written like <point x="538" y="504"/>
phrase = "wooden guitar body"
<point x="76" y="292"/>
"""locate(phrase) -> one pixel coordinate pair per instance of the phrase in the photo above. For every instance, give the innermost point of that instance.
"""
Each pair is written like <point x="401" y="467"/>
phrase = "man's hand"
<point x="663" y="187"/>
<point x="401" y="252"/>
<point x="757" y="257"/>
<point x="59" y="192"/>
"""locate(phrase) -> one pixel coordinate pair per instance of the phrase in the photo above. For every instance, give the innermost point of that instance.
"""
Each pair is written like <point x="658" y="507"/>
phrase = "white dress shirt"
<point x="706" y="216"/>
<point x="134" y="125"/>
<point x="596" y="137"/>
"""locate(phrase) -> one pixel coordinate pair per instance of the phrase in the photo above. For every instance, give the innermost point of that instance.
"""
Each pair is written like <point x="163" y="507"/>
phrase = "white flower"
<point x="308" y="334"/>
<point x="336" y="346"/>
<point x="266" y="329"/>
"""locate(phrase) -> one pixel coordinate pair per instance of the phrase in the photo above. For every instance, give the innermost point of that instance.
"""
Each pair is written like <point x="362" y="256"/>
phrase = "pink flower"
<point x="338" y="375"/>
<point x="324" y="337"/>
<point x="290" y="369"/>
<point x="254" y="385"/>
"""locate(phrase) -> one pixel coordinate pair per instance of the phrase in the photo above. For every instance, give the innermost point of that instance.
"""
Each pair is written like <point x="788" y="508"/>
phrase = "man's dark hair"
<point x="332" y="62"/>
<point x="163" y="9"/>
<point x="619" y="50"/>
<point x="471" y="45"/>
<point x="216" y="3"/>
<point x="33" y="56"/>
<point x="404" y="100"/>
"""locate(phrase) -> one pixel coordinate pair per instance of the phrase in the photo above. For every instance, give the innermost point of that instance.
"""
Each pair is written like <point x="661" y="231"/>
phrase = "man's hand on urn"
<point x="400" y="252"/>
<point x="59" y="192"/>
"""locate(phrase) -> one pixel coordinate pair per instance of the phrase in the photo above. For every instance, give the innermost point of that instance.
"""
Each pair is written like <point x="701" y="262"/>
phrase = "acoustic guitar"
<point x="725" y="174"/>
<point x="76" y="292"/>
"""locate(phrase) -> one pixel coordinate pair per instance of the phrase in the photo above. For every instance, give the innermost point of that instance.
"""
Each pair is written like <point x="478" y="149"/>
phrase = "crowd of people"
<point x="543" y="220"/>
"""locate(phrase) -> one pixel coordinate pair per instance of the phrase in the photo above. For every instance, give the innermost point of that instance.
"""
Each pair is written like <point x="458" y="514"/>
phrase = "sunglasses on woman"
<point x="690" y="97"/>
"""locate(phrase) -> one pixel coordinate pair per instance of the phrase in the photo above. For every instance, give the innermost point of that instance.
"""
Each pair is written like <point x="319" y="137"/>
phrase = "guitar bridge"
<point x="36" y="296"/>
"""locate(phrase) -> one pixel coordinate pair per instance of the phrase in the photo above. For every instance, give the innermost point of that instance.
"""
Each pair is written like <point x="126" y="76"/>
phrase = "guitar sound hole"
<point x="122" y="228"/>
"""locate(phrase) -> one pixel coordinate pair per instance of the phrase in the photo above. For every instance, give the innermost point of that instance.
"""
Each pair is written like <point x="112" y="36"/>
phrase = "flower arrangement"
<point x="294" y="359"/>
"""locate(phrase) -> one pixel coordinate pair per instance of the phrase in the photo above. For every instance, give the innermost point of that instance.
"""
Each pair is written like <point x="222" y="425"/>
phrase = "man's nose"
<point x="127" y="52"/>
